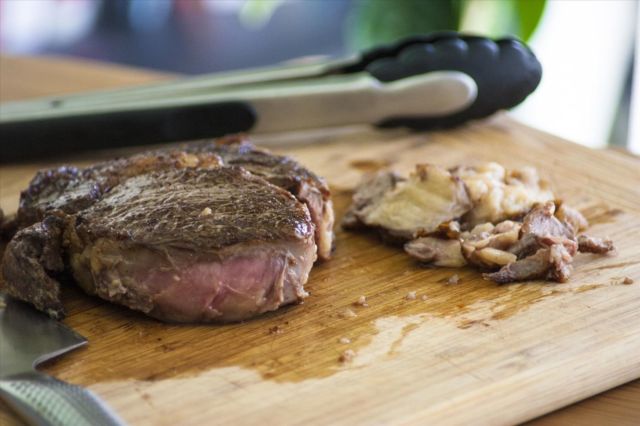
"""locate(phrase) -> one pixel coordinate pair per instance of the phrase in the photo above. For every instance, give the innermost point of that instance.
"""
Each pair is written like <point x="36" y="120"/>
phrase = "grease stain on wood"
<point x="393" y="349"/>
<point x="307" y="342"/>
<point x="370" y="165"/>
<point x="611" y="266"/>
<point x="601" y="213"/>
<point x="588" y="287"/>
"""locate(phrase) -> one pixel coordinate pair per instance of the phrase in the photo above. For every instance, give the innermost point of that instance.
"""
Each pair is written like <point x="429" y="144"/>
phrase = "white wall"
<point x="634" y="118"/>
<point x="585" y="47"/>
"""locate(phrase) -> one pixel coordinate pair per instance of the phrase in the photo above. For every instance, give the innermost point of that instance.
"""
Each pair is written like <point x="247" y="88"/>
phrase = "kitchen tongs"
<point x="423" y="82"/>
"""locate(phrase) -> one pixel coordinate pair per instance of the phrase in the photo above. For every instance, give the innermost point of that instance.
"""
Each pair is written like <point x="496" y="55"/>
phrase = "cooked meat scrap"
<point x="560" y="260"/>
<point x="570" y="246"/>
<point x="545" y="248"/>
<point x="411" y="208"/>
<point x="284" y="172"/>
<point x="587" y="244"/>
<point x="501" y="240"/>
<point x="347" y="356"/>
<point x="480" y="231"/>
<point x="530" y="243"/>
<point x="362" y="301"/>
<point x="450" y="229"/>
<point x="525" y="246"/>
<point x="538" y="224"/>
<point x="540" y="221"/>
<point x="553" y="263"/>
<point x="145" y="245"/>
<point x="498" y="194"/>
<point x="572" y="217"/>
<point x="535" y="266"/>
<point x="276" y="329"/>
<point x="491" y="257"/>
<point x="368" y="195"/>
<point x="487" y="245"/>
<point x="506" y="226"/>
<point x="436" y="251"/>
<point x="501" y="236"/>
<point x="512" y="223"/>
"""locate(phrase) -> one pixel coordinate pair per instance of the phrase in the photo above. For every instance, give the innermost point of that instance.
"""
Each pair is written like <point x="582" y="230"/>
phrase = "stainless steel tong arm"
<point x="306" y="103"/>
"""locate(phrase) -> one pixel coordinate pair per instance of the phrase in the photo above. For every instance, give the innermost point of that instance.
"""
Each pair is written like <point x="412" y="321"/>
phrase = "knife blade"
<point x="28" y="338"/>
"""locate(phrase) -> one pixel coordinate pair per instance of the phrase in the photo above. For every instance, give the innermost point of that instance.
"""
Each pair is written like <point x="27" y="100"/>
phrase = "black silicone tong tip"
<point x="505" y="71"/>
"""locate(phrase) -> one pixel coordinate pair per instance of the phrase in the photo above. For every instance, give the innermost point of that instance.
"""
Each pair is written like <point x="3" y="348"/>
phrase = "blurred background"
<point x="589" y="49"/>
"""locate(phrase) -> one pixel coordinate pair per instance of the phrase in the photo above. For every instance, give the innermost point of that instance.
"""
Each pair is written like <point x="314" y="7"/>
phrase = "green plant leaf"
<point x="528" y="13"/>
<point x="374" y="22"/>
<point x="493" y="18"/>
<point x="497" y="18"/>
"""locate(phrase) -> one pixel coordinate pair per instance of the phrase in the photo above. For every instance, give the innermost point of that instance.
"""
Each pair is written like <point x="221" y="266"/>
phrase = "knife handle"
<point x="44" y="401"/>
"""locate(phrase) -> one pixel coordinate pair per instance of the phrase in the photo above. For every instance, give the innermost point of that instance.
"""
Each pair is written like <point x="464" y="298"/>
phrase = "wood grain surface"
<point x="468" y="353"/>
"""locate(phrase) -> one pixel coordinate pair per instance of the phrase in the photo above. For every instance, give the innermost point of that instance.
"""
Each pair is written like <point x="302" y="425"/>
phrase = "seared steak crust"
<point x="71" y="189"/>
<point x="281" y="171"/>
<point x="278" y="169"/>
<point x="197" y="210"/>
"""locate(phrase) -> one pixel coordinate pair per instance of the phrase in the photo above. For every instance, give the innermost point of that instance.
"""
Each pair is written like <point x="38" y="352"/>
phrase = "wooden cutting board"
<point x="467" y="352"/>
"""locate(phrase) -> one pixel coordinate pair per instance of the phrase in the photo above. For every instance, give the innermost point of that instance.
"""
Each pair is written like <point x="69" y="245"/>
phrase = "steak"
<point x="177" y="234"/>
